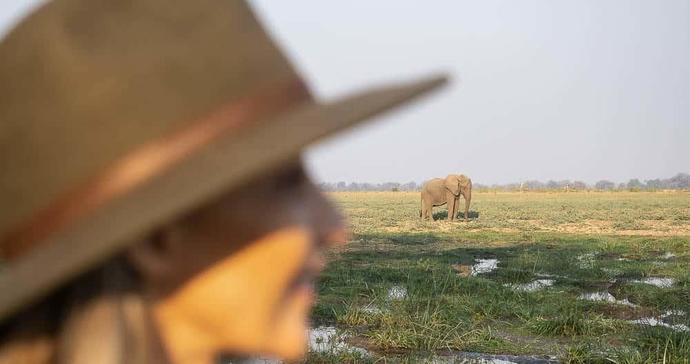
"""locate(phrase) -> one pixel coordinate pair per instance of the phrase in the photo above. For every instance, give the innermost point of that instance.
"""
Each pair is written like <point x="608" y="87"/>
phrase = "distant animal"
<point x="440" y="191"/>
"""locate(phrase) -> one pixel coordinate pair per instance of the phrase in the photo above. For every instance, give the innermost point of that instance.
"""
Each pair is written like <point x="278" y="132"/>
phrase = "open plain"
<point x="576" y="277"/>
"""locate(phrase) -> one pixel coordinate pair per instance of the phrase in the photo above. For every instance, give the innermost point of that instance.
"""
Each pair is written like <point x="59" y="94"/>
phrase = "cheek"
<point x="239" y="304"/>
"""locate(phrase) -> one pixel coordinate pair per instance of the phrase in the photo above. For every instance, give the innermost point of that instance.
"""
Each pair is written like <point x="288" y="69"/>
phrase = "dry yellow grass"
<point x="602" y="213"/>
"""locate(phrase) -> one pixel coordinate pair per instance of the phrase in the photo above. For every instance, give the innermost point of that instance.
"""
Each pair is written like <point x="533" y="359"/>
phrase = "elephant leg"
<point x="450" y="201"/>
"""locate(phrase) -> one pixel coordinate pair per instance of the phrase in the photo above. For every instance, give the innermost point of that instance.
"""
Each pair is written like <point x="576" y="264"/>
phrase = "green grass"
<point x="584" y="242"/>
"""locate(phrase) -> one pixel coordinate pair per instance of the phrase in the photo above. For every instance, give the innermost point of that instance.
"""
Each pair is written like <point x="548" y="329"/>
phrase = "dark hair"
<point x="45" y="318"/>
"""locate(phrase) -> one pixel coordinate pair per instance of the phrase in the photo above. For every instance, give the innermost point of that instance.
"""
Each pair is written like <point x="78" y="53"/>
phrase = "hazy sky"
<point x="582" y="89"/>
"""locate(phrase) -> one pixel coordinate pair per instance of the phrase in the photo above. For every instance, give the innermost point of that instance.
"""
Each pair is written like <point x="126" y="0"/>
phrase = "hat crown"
<point x="85" y="81"/>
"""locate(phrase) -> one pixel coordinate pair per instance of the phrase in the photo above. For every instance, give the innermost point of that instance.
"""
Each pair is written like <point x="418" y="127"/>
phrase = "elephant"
<point x="440" y="191"/>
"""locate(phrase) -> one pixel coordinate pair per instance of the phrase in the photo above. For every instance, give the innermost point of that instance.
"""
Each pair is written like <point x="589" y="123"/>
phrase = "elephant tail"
<point x="420" y="212"/>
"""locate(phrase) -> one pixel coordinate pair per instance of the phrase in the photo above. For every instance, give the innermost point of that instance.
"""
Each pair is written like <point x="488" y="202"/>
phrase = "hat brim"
<point x="224" y="164"/>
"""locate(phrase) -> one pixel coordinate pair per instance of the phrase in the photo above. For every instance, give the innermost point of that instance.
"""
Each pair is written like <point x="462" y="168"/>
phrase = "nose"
<point x="330" y="224"/>
<point x="339" y="235"/>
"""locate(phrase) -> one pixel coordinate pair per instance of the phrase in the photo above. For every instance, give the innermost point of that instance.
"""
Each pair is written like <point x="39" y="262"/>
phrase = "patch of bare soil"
<point x="426" y="226"/>
<point x="553" y="346"/>
<point x="625" y="312"/>
<point x="462" y="269"/>
<point x="505" y="230"/>
<point x="585" y="227"/>
<point x="360" y="342"/>
<point x="648" y="228"/>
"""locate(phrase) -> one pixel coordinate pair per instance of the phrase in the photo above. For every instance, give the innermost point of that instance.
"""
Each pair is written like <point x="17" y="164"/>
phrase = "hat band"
<point x="146" y="162"/>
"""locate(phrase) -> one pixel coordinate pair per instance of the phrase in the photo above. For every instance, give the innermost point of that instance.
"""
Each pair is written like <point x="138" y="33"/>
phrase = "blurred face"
<point x="237" y="275"/>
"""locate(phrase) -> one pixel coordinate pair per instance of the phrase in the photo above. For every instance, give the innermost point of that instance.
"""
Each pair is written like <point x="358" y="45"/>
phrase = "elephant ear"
<point x="464" y="180"/>
<point x="452" y="184"/>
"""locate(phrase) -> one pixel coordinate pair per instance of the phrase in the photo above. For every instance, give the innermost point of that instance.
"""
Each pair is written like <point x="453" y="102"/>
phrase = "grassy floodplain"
<point x="586" y="277"/>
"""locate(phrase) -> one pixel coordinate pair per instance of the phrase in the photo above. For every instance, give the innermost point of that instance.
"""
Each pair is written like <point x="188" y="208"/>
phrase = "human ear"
<point x="152" y="256"/>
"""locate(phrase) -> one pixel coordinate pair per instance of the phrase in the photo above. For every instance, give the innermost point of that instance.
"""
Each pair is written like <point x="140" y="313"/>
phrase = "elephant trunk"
<point x="468" y="198"/>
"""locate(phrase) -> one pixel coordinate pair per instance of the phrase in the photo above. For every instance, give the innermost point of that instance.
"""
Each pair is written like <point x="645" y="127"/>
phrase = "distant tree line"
<point x="681" y="181"/>
<point x="356" y="186"/>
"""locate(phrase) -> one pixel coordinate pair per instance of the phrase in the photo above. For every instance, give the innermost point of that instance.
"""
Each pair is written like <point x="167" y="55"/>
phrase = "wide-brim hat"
<point x="118" y="116"/>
